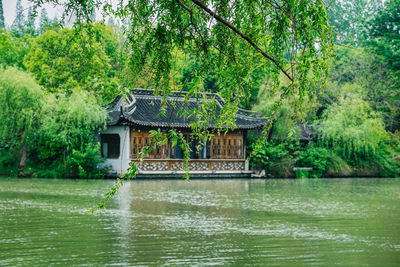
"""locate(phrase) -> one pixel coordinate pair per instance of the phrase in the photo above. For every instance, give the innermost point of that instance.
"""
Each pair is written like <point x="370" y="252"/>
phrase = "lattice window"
<point x="139" y="140"/>
<point x="228" y="146"/>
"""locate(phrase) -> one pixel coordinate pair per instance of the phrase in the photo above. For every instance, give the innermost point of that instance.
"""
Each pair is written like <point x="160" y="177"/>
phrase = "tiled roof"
<point x="307" y="132"/>
<point x="142" y="108"/>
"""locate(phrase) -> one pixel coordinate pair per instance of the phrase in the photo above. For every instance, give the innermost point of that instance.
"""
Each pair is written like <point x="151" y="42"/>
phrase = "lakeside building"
<point x="131" y="119"/>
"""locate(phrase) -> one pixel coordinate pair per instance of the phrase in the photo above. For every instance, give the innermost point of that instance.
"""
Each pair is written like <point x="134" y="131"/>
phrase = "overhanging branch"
<point x="242" y="35"/>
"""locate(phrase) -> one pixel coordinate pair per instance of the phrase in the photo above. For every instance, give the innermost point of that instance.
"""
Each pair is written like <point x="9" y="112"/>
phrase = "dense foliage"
<point x="383" y="36"/>
<point x="48" y="133"/>
<point x="356" y="114"/>
<point x="69" y="127"/>
<point x="20" y="104"/>
<point x="352" y="129"/>
<point x="348" y="18"/>
<point x="231" y="44"/>
<point x="323" y="161"/>
<point x="354" y="118"/>
<point x="269" y="56"/>
<point x="60" y="62"/>
<point x="12" y="49"/>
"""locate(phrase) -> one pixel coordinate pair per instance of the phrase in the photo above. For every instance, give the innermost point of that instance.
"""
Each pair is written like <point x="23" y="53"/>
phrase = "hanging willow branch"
<point x="242" y="35"/>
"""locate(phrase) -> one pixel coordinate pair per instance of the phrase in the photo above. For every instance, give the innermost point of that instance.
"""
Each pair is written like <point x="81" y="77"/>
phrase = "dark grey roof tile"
<point x="143" y="108"/>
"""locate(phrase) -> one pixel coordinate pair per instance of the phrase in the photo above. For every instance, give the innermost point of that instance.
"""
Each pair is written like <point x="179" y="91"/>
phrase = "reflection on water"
<point x="201" y="222"/>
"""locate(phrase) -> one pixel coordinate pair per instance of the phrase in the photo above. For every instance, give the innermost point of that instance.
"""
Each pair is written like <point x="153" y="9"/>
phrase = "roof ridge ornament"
<point x="129" y="104"/>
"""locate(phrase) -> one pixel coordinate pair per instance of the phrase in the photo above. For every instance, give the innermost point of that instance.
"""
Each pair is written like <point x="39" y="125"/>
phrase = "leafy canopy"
<point x="348" y="19"/>
<point x="384" y="36"/>
<point x="231" y="38"/>
<point x="20" y="104"/>
<point x="68" y="60"/>
<point x="12" y="49"/>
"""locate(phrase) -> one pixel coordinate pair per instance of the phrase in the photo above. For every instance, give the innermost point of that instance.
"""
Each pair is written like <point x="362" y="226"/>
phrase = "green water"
<point x="345" y="222"/>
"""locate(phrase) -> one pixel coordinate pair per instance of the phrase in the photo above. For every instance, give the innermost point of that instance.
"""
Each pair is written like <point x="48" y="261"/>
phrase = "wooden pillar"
<point x="244" y="143"/>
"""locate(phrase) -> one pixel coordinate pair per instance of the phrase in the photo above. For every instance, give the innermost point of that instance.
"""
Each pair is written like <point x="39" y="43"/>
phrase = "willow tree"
<point x="232" y="38"/>
<point x="20" y="104"/>
<point x="352" y="129"/>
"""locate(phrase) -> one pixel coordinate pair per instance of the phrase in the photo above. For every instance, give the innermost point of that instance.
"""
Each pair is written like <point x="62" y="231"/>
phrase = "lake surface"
<point x="325" y="222"/>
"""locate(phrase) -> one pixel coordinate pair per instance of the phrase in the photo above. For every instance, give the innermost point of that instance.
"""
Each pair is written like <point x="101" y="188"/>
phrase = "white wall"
<point x="120" y="164"/>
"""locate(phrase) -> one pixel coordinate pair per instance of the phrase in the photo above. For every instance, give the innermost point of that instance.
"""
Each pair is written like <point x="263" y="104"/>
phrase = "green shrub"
<point x="323" y="162"/>
<point x="275" y="159"/>
<point x="8" y="163"/>
<point x="302" y="173"/>
<point x="388" y="166"/>
<point x="85" y="164"/>
<point x="383" y="165"/>
<point x="55" y="170"/>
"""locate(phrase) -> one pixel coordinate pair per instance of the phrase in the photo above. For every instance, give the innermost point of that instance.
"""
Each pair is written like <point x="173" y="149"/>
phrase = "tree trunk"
<point x="22" y="163"/>
<point x="269" y="134"/>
